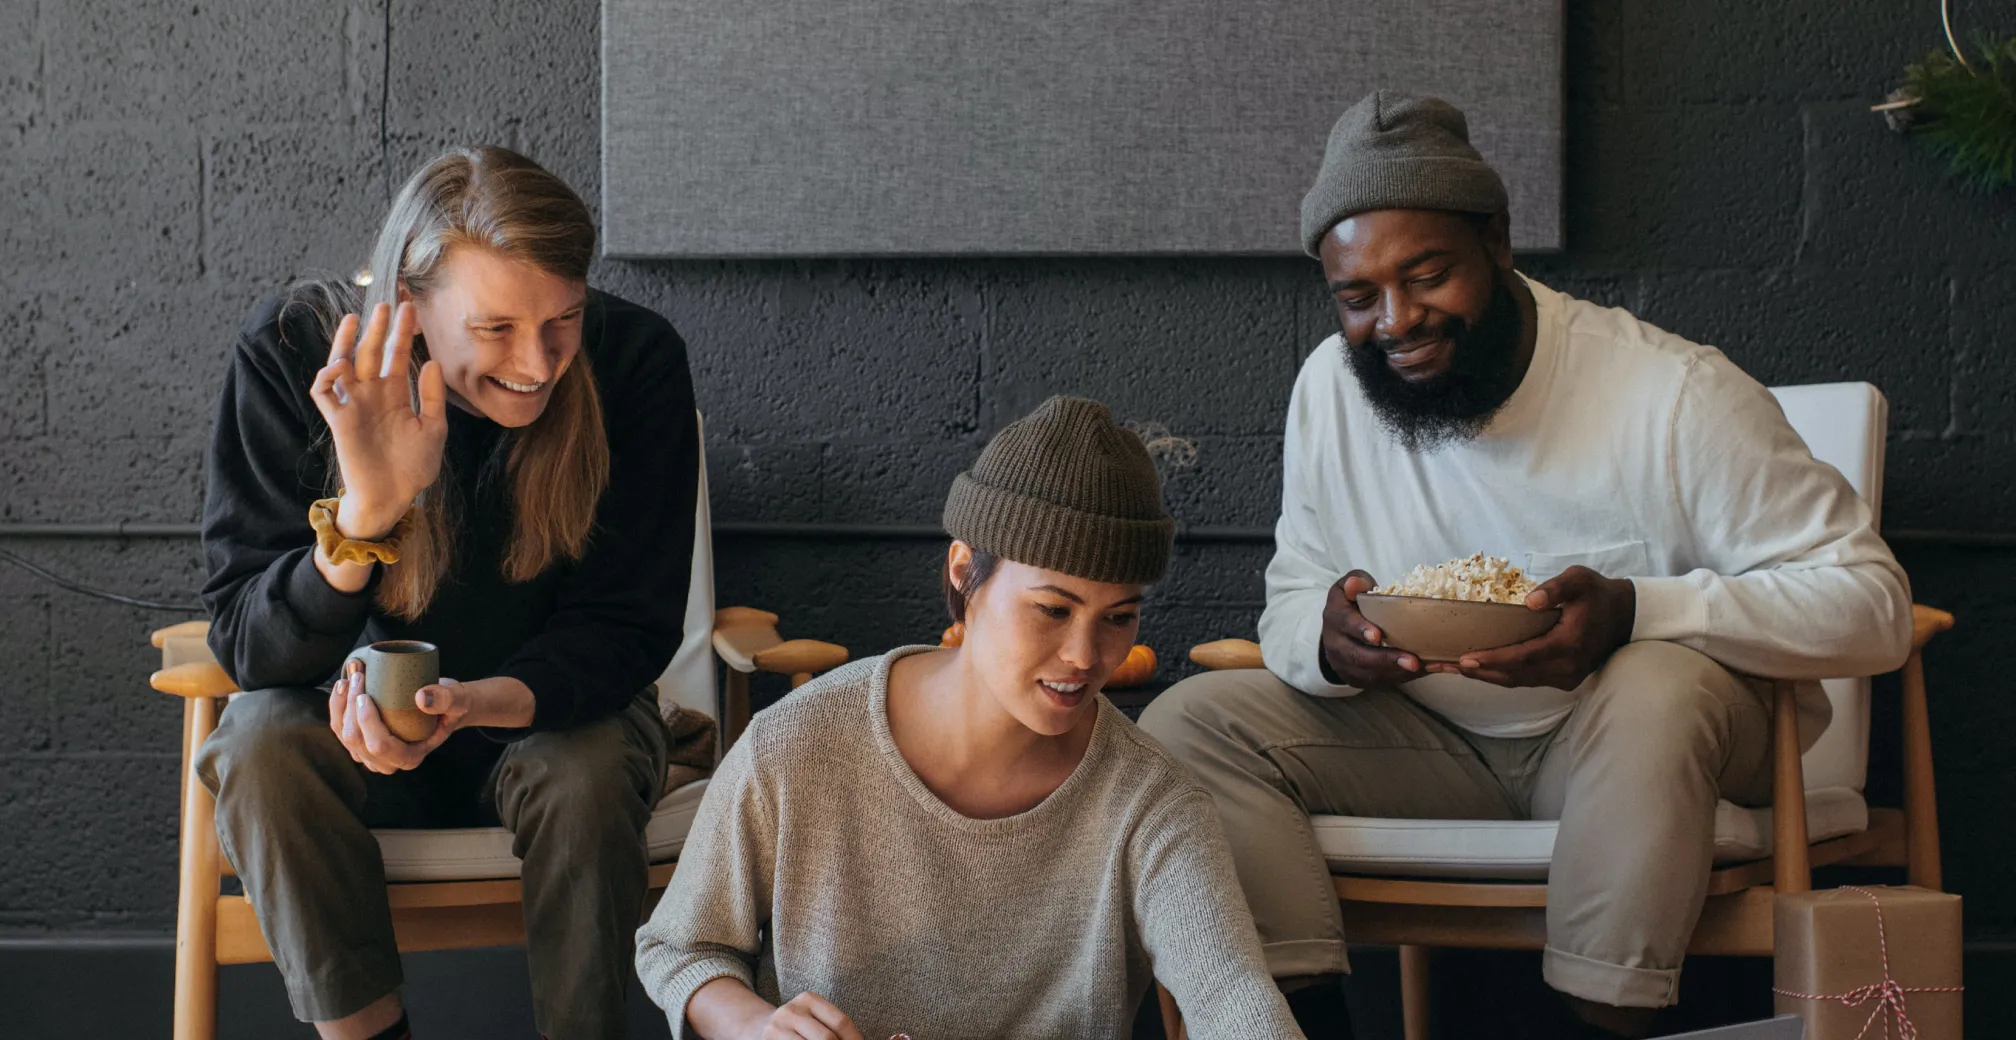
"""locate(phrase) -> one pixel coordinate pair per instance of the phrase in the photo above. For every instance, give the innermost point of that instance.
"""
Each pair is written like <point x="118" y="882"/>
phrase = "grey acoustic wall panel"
<point x="736" y="128"/>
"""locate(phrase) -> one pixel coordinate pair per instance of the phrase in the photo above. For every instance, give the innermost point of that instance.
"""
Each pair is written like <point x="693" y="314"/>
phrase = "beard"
<point x="1458" y="404"/>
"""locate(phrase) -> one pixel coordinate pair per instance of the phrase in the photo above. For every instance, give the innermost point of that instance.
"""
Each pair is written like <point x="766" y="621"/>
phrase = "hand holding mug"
<point x="360" y="725"/>
<point x="387" y="452"/>
<point x="375" y="708"/>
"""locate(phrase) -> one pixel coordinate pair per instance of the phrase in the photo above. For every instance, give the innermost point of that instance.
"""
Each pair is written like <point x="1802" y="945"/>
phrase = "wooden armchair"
<point x="1418" y="913"/>
<point x="1420" y="884"/>
<point x="451" y="889"/>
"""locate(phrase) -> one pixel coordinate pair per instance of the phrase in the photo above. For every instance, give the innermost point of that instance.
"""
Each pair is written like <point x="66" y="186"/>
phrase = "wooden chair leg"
<point x="196" y="908"/>
<point x="1791" y="871"/>
<point x="1414" y="992"/>
<point x="1921" y="806"/>
<point x="1172" y="1016"/>
<point x="188" y="749"/>
<point x="734" y="708"/>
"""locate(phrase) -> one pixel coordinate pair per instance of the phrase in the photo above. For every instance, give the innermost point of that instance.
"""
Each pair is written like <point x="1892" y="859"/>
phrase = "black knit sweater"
<point x="585" y="636"/>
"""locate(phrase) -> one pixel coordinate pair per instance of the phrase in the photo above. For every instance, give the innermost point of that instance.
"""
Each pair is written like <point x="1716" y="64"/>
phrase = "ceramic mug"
<point x="394" y="670"/>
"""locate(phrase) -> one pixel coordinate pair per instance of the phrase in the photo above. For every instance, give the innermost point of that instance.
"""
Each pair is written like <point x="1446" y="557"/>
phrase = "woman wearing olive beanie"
<point x="971" y="843"/>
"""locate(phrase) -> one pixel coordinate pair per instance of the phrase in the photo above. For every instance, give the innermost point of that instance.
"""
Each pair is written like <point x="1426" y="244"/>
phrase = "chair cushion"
<point x="484" y="853"/>
<point x="1522" y="849"/>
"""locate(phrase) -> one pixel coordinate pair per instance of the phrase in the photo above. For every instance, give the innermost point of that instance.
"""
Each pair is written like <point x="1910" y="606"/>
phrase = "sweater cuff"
<point x="1673" y="610"/>
<point x="1306" y="671"/>
<point x="321" y="607"/>
<point x="677" y="992"/>
<point x="553" y="698"/>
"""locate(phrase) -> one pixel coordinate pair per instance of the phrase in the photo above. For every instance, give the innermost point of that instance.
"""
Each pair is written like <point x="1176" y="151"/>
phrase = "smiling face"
<point x="503" y="331"/>
<point x="1432" y="327"/>
<point x="1043" y="642"/>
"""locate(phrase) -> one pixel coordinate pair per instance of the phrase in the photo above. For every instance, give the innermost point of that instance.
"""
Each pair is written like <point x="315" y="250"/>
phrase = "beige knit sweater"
<point x="820" y="853"/>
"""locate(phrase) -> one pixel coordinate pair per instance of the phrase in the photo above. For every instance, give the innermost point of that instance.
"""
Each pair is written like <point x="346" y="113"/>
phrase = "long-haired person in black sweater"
<point x="479" y="451"/>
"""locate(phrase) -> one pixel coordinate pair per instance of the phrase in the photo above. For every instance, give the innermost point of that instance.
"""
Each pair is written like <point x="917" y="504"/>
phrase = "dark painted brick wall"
<point x="163" y="165"/>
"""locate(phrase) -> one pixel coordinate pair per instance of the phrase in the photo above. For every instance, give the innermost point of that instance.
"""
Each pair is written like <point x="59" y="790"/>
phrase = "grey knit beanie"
<point x="1398" y="151"/>
<point x="1065" y="489"/>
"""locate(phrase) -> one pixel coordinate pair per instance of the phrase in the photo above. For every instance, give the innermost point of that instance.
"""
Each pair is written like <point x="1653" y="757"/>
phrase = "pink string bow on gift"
<point x="1888" y="994"/>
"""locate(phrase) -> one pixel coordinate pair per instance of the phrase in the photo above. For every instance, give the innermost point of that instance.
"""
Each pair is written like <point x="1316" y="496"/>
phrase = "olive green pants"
<point x="1633" y="774"/>
<point x="295" y="812"/>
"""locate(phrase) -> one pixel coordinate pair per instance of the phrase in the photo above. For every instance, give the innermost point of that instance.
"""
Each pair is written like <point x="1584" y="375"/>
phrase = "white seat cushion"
<point x="1522" y="849"/>
<point x="484" y="853"/>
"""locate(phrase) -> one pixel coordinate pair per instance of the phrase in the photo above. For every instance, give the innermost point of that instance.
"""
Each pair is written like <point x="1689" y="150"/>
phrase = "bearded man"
<point x="1683" y="530"/>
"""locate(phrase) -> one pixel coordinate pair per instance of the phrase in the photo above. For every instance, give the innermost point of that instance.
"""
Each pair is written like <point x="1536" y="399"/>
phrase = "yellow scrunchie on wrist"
<point x="322" y="517"/>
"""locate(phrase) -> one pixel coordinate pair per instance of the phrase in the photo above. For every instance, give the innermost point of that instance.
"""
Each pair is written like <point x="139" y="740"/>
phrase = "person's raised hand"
<point x="1353" y="649"/>
<point x="388" y="452"/>
<point x="354" y="717"/>
<point x="807" y="1016"/>
<point x="1597" y="615"/>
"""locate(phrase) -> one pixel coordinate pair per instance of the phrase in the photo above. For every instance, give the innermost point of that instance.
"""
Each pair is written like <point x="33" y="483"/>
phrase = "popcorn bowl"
<point x="1443" y="630"/>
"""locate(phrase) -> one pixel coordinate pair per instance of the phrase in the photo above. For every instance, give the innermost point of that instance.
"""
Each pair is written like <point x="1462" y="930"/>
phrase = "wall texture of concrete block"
<point x="91" y="842"/>
<point x="1721" y="50"/>
<point x="1660" y="206"/>
<point x="1984" y="370"/>
<point x="106" y="206"/>
<point x="1879" y="324"/>
<point x="261" y="224"/>
<point x="168" y="64"/>
<point x="27" y="709"/>
<point x="1870" y="203"/>
<point x="166" y="165"/>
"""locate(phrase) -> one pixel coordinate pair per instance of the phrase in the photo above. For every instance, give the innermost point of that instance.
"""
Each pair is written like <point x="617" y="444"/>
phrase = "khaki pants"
<point x="1633" y="774"/>
<point x="294" y="814"/>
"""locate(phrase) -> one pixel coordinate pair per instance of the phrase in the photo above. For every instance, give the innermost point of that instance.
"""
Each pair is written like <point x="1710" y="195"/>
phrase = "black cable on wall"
<point x="79" y="587"/>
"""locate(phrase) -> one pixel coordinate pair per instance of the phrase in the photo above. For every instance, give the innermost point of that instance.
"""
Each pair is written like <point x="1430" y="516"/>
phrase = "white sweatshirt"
<point x="1625" y="449"/>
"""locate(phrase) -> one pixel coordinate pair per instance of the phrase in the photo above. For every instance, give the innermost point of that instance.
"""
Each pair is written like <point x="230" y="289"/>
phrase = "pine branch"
<point x="1968" y="117"/>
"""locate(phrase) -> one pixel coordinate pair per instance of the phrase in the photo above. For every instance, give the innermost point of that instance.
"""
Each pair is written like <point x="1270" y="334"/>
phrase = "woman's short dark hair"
<point x="977" y="572"/>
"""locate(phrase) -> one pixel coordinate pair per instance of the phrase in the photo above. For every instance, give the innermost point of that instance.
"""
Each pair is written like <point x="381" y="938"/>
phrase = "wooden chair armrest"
<point x="195" y="629"/>
<point x="800" y="657"/>
<point x="744" y="616"/>
<point x="1927" y="622"/>
<point x="747" y="641"/>
<point x="740" y="633"/>
<point x="1225" y="654"/>
<point x="195" y="679"/>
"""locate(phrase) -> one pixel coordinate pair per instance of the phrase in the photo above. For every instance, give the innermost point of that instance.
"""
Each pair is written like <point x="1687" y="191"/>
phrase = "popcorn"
<point x="1479" y="579"/>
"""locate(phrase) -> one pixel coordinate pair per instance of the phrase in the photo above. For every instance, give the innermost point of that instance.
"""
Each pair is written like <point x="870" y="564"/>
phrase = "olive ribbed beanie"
<point x="1065" y="489"/>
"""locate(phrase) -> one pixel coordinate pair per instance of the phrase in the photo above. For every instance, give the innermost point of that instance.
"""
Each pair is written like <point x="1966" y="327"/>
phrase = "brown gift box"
<point x="1828" y="943"/>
